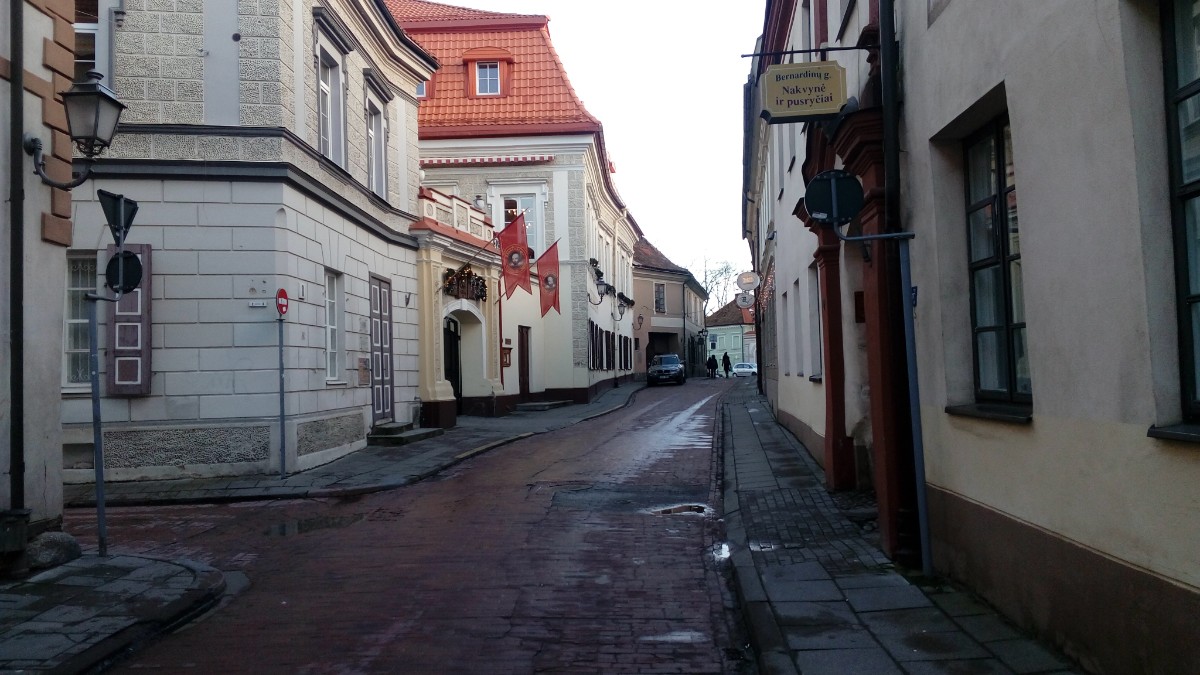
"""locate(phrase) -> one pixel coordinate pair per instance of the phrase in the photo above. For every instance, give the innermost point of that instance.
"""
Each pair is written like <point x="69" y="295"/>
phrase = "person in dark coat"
<point x="726" y="364"/>
<point x="712" y="366"/>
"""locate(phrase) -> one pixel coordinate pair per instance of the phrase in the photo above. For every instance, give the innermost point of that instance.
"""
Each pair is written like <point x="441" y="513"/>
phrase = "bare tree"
<point x="718" y="281"/>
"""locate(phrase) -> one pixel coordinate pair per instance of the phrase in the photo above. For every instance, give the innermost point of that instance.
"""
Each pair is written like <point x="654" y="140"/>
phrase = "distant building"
<point x="669" y="316"/>
<point x="731" y="331"/>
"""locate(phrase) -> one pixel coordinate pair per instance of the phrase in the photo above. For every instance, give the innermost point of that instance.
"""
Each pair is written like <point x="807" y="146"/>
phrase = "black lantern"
<point x="93" y="112"/>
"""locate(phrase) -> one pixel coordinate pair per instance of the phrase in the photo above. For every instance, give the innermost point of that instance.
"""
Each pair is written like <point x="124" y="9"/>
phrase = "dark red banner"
<point x="514" y="255"/>
<point x="548" y="273"/>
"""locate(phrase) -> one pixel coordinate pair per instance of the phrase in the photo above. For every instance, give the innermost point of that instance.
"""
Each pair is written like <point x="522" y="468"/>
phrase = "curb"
<point x="208" y="585"/>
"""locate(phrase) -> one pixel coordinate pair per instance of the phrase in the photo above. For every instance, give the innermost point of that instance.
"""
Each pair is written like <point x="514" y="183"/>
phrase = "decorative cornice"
<point x="334" y="28"/>
<point x="281" y="172"/>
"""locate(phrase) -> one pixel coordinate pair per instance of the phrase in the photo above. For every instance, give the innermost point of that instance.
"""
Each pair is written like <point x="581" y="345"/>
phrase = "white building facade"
<point x="268" y="148"/>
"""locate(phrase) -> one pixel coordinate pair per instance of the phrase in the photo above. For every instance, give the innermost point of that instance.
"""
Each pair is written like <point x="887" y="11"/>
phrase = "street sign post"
<point x="123" y="275"/>
<point x="281" y="306"/>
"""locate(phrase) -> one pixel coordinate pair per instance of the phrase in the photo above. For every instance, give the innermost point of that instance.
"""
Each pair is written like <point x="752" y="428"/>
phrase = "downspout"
<point x="16" y="254"/>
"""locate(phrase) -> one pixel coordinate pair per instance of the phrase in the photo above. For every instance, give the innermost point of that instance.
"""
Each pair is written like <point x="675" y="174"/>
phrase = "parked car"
<point x="740" y="369"/>
<point x="666" y="368"/>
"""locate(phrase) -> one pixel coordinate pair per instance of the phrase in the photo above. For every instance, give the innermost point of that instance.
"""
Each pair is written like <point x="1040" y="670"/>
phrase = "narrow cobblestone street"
<point x="589" y="549"/>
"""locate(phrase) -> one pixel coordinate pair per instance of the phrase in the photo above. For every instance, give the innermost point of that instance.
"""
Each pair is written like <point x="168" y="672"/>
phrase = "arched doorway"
<point x="451" y="339"/>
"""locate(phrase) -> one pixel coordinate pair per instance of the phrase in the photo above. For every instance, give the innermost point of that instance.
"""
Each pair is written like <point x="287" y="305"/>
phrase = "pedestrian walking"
<point x="726" y="364"/>
<point x="712" y="366"/>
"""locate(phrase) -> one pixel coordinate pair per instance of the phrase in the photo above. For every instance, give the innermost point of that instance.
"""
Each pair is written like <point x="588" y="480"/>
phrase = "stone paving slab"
<point x="837" y="604"/>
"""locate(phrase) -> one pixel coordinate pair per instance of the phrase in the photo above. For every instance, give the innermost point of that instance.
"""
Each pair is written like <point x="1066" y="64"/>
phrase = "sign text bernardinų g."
<point x="795" y="92"/>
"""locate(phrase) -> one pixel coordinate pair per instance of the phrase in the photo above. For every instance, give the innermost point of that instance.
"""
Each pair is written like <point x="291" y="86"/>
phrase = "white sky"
<point x="665" y="79"/>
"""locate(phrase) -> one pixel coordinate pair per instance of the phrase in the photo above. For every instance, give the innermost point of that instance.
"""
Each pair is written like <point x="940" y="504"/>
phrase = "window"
<point x="87" y="26"/>
<point x="333" y="332"/>
<point x="515" y="205"/>
<point x="815" y="363"/>
<point x="330" y="107"/>
<point x="376" y="150"/>
<point x="81" y="280"/>
<point x="994" y="261"/>
<point x="487" y="78"/>
<point x="660" y="298"/>
<point x="1182" y="69"/>
<point x="421" y="90"/>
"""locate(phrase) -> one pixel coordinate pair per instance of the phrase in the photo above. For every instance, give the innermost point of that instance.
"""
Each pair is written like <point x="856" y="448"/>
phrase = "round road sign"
<point x="281" y="302"/>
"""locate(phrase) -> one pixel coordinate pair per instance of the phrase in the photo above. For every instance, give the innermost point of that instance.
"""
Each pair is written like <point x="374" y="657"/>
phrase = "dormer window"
<point x="489" y="72"/>
<point x="487" y="78"/>
<point x="421" y="90"/>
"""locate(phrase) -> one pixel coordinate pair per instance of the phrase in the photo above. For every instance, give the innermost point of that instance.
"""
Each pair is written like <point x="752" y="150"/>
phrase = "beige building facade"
<point x="35" y="65"/>
<point x="1062" y="473"/>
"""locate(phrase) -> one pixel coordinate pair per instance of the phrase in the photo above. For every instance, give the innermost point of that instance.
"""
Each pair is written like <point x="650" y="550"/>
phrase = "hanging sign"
<point x="796" y="92"/>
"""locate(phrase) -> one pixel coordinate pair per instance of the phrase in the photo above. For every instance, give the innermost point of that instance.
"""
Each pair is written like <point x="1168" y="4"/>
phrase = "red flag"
<point x="514" y="255"/>
<point x="548" y="272"/>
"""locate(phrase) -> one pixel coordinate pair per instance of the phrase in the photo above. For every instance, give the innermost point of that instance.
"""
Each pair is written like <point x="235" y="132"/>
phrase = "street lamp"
<point x="93" y="112"/>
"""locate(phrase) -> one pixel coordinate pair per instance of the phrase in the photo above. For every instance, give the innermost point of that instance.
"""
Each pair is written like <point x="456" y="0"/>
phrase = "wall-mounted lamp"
<point x="93" y="111"/>
<point x="640" y="319"/>
<point x="479" y="203"/>
<point x="620" y="311"/>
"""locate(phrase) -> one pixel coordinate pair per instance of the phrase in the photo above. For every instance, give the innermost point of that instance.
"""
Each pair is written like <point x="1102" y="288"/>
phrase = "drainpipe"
<point x="889" y="68"/>
<point x="16" y="254"/>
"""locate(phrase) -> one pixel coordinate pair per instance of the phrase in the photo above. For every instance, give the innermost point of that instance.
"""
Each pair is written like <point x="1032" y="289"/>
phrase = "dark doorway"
<point x="523" y="356"/>
<point x="382" y="389"/>
<point x="453" y="367"/>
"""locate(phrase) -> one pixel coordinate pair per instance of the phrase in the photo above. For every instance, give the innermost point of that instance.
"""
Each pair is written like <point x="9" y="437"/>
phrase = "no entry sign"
<point x="281" y="302"/>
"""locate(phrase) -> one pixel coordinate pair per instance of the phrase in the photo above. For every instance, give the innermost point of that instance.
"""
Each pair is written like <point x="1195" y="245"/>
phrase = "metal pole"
<point x="97" y="434"/>
<point x="282" y="428"/>
<point x="914" y="408"/>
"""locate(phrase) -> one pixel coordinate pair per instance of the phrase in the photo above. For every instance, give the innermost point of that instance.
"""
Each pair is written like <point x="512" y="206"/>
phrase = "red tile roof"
<point x="730" y="315"/>
<point x="540" y="100"/>
<point x="646" y="254"/>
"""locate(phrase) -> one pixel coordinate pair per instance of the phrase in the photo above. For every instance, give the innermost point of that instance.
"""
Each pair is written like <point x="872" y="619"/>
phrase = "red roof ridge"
<point x="415" y="14"/>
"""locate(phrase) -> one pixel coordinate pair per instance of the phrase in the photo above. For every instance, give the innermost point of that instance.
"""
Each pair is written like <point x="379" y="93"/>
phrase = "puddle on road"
<point x="305" y="525"/>
<point x="721" y="552"/>
<point x="682" y="636"/>
<point x="679" y="510"/>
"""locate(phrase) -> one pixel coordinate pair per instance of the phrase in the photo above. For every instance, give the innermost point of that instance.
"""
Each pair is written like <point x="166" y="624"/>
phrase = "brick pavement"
<point x="817" y="595"/>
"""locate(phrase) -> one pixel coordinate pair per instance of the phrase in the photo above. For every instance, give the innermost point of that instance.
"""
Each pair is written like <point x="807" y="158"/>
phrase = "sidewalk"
<point x="817" y="596"/>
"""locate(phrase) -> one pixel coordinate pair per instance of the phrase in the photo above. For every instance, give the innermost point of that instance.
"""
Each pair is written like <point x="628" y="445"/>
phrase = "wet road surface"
<point x="593" y="549"/>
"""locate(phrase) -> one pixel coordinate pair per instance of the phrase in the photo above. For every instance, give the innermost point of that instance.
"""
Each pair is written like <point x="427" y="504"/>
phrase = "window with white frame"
<point x="376" y="148"/>
<point x="515" y="205"/>
<point x="487" y="78"/>
<point x="333" y="320"/>
<point x="421" y="89"/>
<point x="815" y="360"/>
<point x="331" y="106"/>
<point x="87" y="27"/>
<point x="81" y="280"/>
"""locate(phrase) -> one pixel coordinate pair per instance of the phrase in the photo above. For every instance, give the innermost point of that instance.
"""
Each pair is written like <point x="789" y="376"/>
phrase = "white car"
<point x="740" y="369"/>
